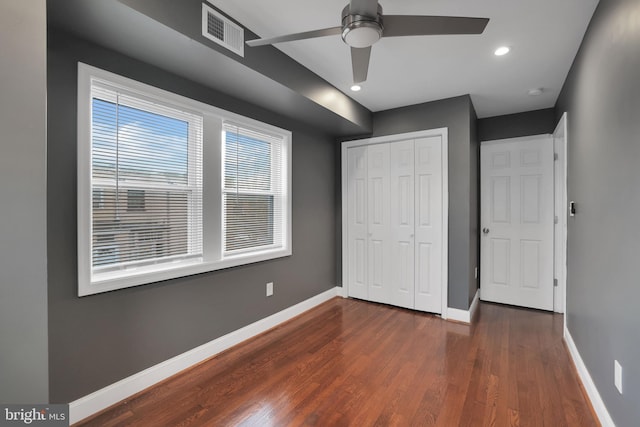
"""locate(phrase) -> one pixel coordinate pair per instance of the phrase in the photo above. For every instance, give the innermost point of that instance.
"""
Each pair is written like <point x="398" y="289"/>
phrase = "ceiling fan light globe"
<point x="362" y="35"/>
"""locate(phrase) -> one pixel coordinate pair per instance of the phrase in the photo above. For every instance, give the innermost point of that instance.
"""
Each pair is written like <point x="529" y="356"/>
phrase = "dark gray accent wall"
<point x="454" y="114"/>
<point x="602" y="98"/>
<point x="474" y="204"/>
<point x="23" y="150"/>
<point x="100" y="339"/>
<point x="536" y="122"/>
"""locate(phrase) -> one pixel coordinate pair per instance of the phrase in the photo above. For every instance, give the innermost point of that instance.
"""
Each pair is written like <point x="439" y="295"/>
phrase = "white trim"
<point x="597" y="402"/>
<point x="465" y="316"/>
<point x="474" y="305"/>
<point x="520" y="138"/>
<point x="444" y="134"/>
<point x="114" y="393"/>
<point x="560" y="141"/>
<point x="396" y="137"/>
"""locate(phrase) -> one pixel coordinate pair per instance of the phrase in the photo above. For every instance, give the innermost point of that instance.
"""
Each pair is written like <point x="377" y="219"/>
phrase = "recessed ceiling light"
<point x="502" y="50"/>
<point x="536" y="91"/>
<point x="355" y="88"/>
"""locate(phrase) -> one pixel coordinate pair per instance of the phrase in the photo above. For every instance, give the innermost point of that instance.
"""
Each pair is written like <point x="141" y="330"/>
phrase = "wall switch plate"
<point x="269" y="289"/>
<point x="617" y="375"/>
<point x="476" y="272"/>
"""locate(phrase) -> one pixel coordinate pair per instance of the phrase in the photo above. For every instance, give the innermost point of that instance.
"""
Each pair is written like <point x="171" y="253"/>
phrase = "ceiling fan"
<point x="363" y="24"/>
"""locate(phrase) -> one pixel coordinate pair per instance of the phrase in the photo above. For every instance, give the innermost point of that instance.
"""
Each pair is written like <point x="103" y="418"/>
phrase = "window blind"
<point x="146" y="181"/>
<point x="253" y="190"/>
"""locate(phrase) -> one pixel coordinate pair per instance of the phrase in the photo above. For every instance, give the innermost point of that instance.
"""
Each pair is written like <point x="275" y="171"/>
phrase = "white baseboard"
<point x="464" y="316"/>
<point x="589" y="385"/>
<point x="474" y="304"/>
<point x="114" y="393"/>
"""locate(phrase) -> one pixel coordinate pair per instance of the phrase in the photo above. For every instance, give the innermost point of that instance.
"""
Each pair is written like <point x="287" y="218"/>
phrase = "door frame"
<point x="443" y="133"/>
<point x="561" y="211"/>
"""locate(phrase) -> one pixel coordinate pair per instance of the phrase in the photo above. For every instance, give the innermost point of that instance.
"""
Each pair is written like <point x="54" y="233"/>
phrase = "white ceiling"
<point x="544" y="36"/>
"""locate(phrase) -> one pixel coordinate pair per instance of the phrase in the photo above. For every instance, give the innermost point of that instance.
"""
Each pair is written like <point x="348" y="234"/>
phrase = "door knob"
<point x="485" y="230"/>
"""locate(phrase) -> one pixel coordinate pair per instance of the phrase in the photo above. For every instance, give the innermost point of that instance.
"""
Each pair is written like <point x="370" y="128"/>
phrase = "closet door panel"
<point x="379" y="248"/>
<point x="429" y="224"/>
<point x="357" y="222"/>
<point x="401" y="239"/>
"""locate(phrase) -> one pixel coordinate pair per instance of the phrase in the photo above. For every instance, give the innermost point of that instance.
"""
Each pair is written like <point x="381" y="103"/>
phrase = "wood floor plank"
<point x="354" y="363"/>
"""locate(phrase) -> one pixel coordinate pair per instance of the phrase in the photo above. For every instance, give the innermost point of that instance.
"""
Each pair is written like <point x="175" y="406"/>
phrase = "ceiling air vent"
<point x="221" y="30"/>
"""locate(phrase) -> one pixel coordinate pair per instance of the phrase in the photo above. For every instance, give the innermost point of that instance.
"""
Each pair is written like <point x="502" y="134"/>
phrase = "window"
<point x="253" y="190"/>
<point x="147" y="211"/>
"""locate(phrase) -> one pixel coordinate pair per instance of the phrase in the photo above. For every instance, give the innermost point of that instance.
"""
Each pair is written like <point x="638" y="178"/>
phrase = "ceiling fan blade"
<point x="364" y="7"/>
<point x="296" y="36"/>
<point x="360" y="63"/>
<point x="410" y="25"/>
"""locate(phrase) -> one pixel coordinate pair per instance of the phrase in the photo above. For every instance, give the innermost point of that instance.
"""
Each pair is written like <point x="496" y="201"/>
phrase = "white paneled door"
<point x="517" y="218"/>
<point x="402" y="224"/>
<point x="379" y="249"/>
<point x="357" y="235"/>
<point x="395" y="222"/>
<point x="429" y="233"/>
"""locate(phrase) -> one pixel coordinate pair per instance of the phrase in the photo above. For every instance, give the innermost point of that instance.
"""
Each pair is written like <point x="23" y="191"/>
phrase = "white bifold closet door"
<point x="395" y="223"/>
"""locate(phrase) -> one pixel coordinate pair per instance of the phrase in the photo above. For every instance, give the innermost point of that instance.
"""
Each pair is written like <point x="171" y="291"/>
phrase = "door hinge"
<point x="555" y="283"/>
<point x="555" y="156"/>
<point x="555" y="219"/>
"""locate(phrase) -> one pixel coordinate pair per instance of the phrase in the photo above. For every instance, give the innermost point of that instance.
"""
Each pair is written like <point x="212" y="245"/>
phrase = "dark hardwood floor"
<point x="354" y="363"/>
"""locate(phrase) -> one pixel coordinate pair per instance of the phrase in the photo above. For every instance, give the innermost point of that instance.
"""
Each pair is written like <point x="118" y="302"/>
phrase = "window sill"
<point x="128" y="278"/>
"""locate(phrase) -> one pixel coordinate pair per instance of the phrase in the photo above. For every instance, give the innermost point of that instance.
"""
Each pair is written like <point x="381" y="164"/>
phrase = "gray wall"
<point x="602" y="98"/>
<point x="515" y="125"/>
<point x="100" y="339"/>
<point x="23" y="147"/>
<point x="455" y="114"/>
<point x="474" y="204"/>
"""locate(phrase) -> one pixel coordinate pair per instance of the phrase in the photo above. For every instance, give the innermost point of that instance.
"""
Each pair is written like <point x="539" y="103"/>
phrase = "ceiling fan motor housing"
<point x="361" y="31"/>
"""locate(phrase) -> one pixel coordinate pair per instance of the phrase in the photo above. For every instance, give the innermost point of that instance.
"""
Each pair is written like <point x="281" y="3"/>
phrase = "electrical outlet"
<point x="617" y="375"/>
<point x="269" y="289"/>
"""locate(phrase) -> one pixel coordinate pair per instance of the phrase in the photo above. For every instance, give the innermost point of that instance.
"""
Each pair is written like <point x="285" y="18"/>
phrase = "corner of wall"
<point x="24" y="363"/>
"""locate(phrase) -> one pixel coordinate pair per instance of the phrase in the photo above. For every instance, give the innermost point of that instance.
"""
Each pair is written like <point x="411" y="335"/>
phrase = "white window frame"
<point x="277" y="163"/>
<point x="212" y="228"/>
